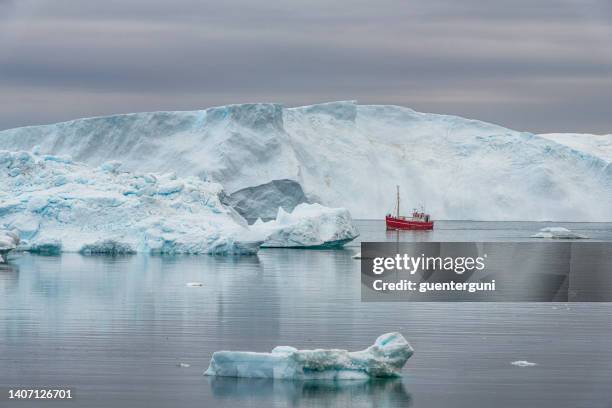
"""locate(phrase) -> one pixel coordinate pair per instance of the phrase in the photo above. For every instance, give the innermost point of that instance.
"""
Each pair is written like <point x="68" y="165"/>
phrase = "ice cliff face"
<point x="348" y="155"/>
<point x="263" y="201"/>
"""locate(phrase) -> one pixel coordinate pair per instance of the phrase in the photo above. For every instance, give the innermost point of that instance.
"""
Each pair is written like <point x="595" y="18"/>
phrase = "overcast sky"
<point x="538" y="66"/>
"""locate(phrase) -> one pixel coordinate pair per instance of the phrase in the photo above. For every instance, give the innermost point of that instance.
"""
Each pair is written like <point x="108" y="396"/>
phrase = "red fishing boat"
<point x="419" y="220"/>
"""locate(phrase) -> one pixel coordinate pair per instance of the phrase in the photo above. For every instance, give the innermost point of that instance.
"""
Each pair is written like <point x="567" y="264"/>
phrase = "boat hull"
<point x="394" y="223"/>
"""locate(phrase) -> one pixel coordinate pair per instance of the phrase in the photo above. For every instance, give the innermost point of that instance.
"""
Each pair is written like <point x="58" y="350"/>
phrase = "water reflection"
<point x="324" y="393"/>
<point x="115" y="328"/>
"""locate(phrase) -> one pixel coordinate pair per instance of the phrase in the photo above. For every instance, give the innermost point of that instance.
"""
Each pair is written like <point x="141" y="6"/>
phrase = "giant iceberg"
<point x="347" y="155"/>
<point x="57" y="204"/>
<point x="385" y="358"/>
<point x="308" y="226"/>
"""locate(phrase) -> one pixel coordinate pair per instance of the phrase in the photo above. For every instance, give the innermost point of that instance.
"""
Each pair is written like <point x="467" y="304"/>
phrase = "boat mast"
<point x="398" y="201"/>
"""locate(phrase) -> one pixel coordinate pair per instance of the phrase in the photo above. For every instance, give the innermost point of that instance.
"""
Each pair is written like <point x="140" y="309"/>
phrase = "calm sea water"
<point x="116" y="329"/>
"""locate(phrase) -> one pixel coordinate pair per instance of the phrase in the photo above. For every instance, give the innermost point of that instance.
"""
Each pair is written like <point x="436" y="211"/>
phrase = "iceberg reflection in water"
<point x="379" y="392"/>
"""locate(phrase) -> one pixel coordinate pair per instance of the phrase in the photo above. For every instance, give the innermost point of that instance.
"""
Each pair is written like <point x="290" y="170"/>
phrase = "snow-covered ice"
<point x="60" y="205"/>
<point x="308" y="226"/>
<point x="8" y="242"/>
<point x="348" y="155"/>
<point x="595" y="145"/>
<point x="523" y="363"/>
<point x="558" y="233"/>
<point x="385" y="358"/>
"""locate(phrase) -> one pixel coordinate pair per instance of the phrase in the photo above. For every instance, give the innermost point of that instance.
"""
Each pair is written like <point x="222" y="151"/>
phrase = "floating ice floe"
<point x="60" y="205"/>
<point x="8" y="241"/>
<point x="523" y="363"/>
<point x="385" y="358"/>
<point x="308" y="226"/>
<point x="558" y="233"/>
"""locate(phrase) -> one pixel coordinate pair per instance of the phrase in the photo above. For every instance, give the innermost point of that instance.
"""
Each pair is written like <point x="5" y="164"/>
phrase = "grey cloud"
<point x="539" y="66"/>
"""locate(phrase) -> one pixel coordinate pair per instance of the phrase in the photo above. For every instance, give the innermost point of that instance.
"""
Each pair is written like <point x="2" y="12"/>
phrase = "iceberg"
<point x="307" y="226"/>
<point x="8" y="242"/>
<point x="385" y="358"/>
<point x="57" y="205"/>
<point x="558" y="233"/>
<point x="523" y="363"/>
<point x="343" y="154"/>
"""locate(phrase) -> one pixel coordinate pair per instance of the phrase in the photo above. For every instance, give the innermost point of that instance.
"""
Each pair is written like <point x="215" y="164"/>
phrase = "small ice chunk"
<point x="37" y="203"/>
<point x="60" y="180"/>
<point x="14" y="172"/>
<point x="183" y="365"/>
<point x="558" y="233"/>
<point x="195" y="284"/>
<point x="385" y="358"/>
<point x="111" y="166"/>
<point x="523" y="363"/>
<point x="170" y="188"/>
<point x="357" y="255"/>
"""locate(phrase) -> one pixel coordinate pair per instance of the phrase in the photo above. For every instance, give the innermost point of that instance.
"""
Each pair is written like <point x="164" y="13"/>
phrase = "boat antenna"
<point x="398" y="201"/>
